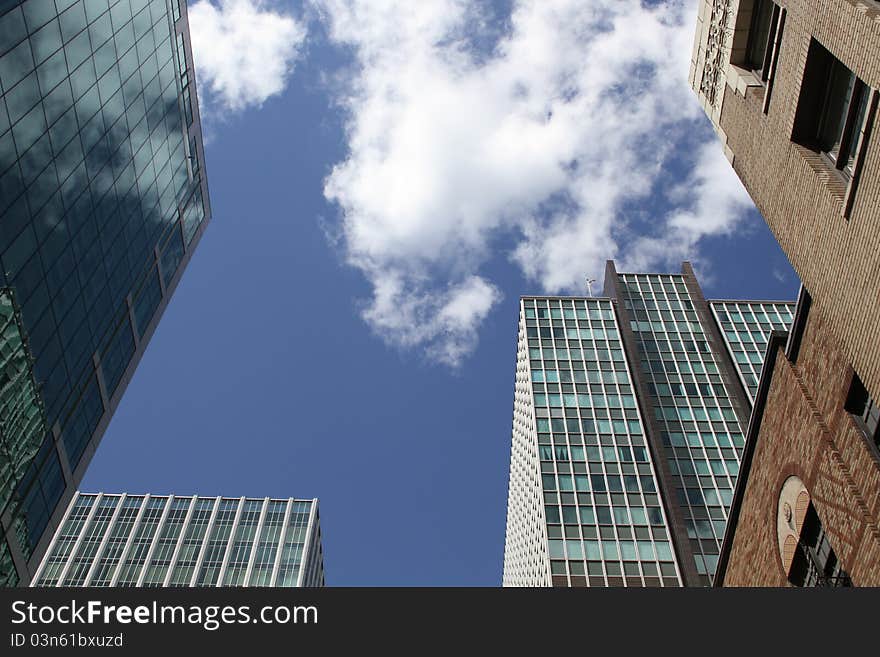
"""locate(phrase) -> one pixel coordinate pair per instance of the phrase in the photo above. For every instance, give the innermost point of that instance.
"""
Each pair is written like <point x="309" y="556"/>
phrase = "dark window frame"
<point x="757" y="44"/>
<point x="798" y="325"/>
<point x="765" y="17"/>
<point x="840" y="144"/>
<point x="815" y="561"/>
<point x="865" y="412"/>
<point x="831" y="118"/>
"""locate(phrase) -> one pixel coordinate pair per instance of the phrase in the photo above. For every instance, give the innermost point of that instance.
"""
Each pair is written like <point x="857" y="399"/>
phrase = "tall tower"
<point x="629" y="420"/>
<point x="104" y="198"/>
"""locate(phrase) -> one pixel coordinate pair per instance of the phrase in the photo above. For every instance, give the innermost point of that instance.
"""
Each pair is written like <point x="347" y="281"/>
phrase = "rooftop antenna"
<point x="590" y="282"/>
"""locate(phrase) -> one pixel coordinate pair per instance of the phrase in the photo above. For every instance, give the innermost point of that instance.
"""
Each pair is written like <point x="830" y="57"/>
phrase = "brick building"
<point x="791" y="88"/>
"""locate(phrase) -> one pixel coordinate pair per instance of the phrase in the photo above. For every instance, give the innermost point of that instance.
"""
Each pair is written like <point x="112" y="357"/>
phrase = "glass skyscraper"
<point x="629" y="415"/>
<point x="153" y="541"/>
<point x="746" y="328"/>
<point x="103" y="198"/>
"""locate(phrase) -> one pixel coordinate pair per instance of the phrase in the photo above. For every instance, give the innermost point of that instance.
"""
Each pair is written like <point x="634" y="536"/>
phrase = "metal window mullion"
<point x="130" y="540"/>
<point x="858" y="153"/>
<point x="849" y="124"/>
<point x="309" y="563"/>
<point x="307" y="543"/>
<point x="317" y="559"/>
<point x="178" y="83"/>
<point x="316" y="556"/>
<point x="257" y="536"/>
<point x="186" y="521"/>
<point x="55" y="538"/>
<point x="103" y="546"/>
<point x="79" y="539"/>
<point x="194" y="578"/>
<point x="158" y="531"/>
<point x="764" y="72"/>
<point x="157" y="256"/>
<point x="224" y="565"/>
<point x="132" y="319"/>
<point x="273" y="581"/>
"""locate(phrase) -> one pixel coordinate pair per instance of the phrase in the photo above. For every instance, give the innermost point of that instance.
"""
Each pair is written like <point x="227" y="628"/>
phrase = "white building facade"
<point x="184" y="541"/>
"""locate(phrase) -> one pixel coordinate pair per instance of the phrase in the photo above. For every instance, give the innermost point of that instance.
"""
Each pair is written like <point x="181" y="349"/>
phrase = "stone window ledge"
<point x="740" y="79"/>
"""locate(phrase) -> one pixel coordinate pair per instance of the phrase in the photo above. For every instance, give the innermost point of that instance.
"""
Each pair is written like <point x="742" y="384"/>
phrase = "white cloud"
<point x="709" y="202"/>
<point x="446" y="320"/>
<point x="576" y="117"/>
<point x="244" y="51"/>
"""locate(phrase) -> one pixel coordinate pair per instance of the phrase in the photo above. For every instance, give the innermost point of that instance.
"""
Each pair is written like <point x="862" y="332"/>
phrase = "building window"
<point x="815" y="563"/>
<point x="763" y="31"/>
<point x="843" y="113"/>
<point x="757" y="40"/>
<point x="832" y="110"/>
<point x="864" y="409"/>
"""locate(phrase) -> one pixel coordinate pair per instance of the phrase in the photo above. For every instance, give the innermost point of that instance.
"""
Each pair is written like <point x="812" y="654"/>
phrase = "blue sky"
<point x="387" y="178"/>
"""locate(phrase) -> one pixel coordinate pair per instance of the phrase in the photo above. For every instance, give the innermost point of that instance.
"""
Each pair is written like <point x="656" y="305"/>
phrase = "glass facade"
<point x="700" y="432"/>
<point x="746" y="328"/>
<point x="587" y="503"/>
<point x="102" y="199"/>
<point x="22" y="415"/>
<point x="604" y="521"/>
<point x="120" y="540"/>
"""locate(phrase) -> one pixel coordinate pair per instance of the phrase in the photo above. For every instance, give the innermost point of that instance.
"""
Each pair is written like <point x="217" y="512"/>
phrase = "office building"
<point x="791" y="88"/>
<point x="629" y="420"/>
<point x="103" y="198"/>
<point x="169" y="540"/>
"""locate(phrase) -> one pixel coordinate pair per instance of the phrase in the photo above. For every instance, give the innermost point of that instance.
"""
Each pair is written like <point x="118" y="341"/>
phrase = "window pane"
<point x="837" y="97"/>
<point x="847" y="155"/>
<point x="759" y="33"/>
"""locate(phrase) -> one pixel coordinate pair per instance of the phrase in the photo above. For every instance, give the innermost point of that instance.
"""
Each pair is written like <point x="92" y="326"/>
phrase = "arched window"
<point x="814" y="562"/>
<point x="808" y="558"/>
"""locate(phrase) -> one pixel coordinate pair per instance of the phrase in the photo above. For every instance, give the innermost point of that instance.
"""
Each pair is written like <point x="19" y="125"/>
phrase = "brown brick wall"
<point x="838" y="259"/>
<point x="806" y="432"/>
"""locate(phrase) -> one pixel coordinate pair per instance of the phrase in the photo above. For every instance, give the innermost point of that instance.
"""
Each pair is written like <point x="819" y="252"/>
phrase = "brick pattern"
<point x="838" y="259"/>
<point x="806" y="432"/>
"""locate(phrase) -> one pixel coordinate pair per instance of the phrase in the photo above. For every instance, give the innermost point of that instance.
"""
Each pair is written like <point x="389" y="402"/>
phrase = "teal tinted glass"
<point x="94" y="176"/>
